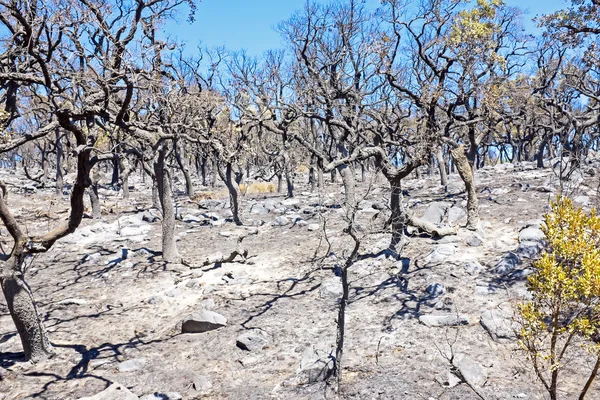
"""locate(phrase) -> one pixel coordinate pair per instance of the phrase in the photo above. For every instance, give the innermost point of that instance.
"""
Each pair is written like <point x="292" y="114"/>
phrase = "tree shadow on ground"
<point x="83" y="370"/>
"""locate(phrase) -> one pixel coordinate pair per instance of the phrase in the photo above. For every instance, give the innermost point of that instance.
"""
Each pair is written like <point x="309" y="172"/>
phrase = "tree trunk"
<point x="125" y="172"/>
<point x="312" y="178"/>
<point x="215" y="171"/>
<point x="114" y="181"/>
<point x="466" y="174"/>
<point x="59" y="156"/>
<point x="24" y="312"/>
<point x="398" y="218"/>
<point x="540" y="154"/>
<point x="439" y="156"/>
<point x="94" y="198"/>
<point x="349" y="186"/>
<point x="165" y="194"/>
<point x="289" y="175"/>
<point x="183" y="165"/>
<point x="233" y="188"/>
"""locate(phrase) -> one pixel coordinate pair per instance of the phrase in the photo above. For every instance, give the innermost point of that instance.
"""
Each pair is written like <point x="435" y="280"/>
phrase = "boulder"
<point x="253" y="340"/>
<point x="531" y="234"/>
<point x="499" y="324"/>
<point x="435" y="290"/>
<point x="331" y="288"/>
<point x="471" y="371"/>
<point x="132" y="365"/>
<point x="456" y="215"/>
<point x="203" y="321"/>
<point x="151" y="215"/>
<point x="316" y="365"/>
<point x="441" y="252"/>
<point x="203" y="384"/>
<point x="443" y="320"/>
<point x="280" y="221"/>
<point x="115" y="391"/>
<point x="435" y="212"/>
<point x="507" y="263"/>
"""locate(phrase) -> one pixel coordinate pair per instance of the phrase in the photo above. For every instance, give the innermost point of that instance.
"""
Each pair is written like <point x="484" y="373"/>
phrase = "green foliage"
<point x="565" y="307"/>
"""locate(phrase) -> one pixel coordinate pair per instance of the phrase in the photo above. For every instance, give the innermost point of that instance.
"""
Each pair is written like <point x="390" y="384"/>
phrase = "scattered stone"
<point x="443" y="320"/>
<point x="447" y="379"/>
<point x="132" y="365"/>
<point x="203" y="321"/>
<point x="507" y="264"/>
<point x="530" y="250"/>
<point x="189" y="218"/>
<point x="116" y="391"/>
<point x="316" y="365"/>
<point x="280" y="221"/>
<point x="151" y="216"/>
<point x="471" y="371"/>
<point x="203" y="385"/>
<point x="531" y="234"/>
<point x="435" y="212"/>
<point x="155" y="300"/>
<point x="253" y="340"/>
<point x="331" y="287"/>
<point x="441" y="252"/>
<point x="475" y="240"/>
<point x="313" y="227"/>
<point x="72" y="302"/>
<point x="499" y="325"/>
<point x="473" y="267"/>
<point x="163" y="396"/>
<point x="456" y="215"/>
<point x="435" y="290"/>
<point x="194" y="283"/>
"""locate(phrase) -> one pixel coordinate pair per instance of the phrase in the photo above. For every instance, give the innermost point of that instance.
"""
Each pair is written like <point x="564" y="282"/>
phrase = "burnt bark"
<point x="165" y="195"/>
<point x="466" y="173"/>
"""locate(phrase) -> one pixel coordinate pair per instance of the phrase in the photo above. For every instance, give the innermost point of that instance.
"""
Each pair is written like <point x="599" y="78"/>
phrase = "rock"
<point x="155" y="300"/>
<point x="531" y="234"/>
<point x="253" y="340"/>
<point x="447" y="379"/>
<point x="443" y="320"/>
<point x="203" y="385"/>
<point x="471" y="371"/>
<point x="507" y="264"/>
<point x="280" y="221"/>
<point x="435" y="290"/>
<point x="529" y="250"/>
<point x="441" y="252"/>
<point x="456" y="215"/>
<point x="151" y="215"/>
<point x="259" y="209"/>
<point x="472" y="267"/>
<point x="194" y="283"/>
<point x="291" y="203"/>
<point x="163" y="396"/>
<point x="72" y="302"/>
<point x="115" y="391"/>
<point x="475" y="240"/>
<point x="435" y="212"/>
<point x="203" y="321"/>
<point x="132" y="365"/>
<point x="209" y="203"/>
<point x="331" y="287"/>
<point x="316" y="365"/>
<point x="583" y="200"/>
<point x="313" y="227"/>
<point x="189" y="218"/>
<point x="217" y="223"/>
<point x="499" y="325"/>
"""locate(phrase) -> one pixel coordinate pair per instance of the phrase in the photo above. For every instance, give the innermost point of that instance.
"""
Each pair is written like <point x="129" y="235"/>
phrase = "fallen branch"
<point x="430" y="228"/>
<point x="239" y="251"/>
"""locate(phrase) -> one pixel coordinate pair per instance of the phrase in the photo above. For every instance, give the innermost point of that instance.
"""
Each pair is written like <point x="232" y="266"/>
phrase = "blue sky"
<point x="249" y="24"/>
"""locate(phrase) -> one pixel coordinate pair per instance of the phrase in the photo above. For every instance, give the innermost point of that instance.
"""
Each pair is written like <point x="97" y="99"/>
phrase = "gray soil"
<point x="119" y="320"/>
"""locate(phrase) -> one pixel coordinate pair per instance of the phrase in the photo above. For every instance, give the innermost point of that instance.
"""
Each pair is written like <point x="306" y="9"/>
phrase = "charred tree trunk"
<point x="165" y="194"/>
<point x="59" y="156"/>
<point x="439" y="156"/>
<point x="125" y="172"/>
<point x="349" y="186"/>
<point x="466" y="173"/>
<point x="94" y="198"/>
<point x="289" y="175"/>
<point x="232" y="180"/>
<point x="183" y="165"/>
<point x="398" y="218"/>
<point x="23" y="311"/>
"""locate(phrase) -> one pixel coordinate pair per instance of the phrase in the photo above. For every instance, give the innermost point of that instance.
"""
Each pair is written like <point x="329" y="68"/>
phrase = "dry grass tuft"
<point x="258" y="187"/>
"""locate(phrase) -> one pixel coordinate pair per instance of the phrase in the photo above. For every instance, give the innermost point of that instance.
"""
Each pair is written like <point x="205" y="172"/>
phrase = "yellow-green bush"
<point x="564" y="312"/>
